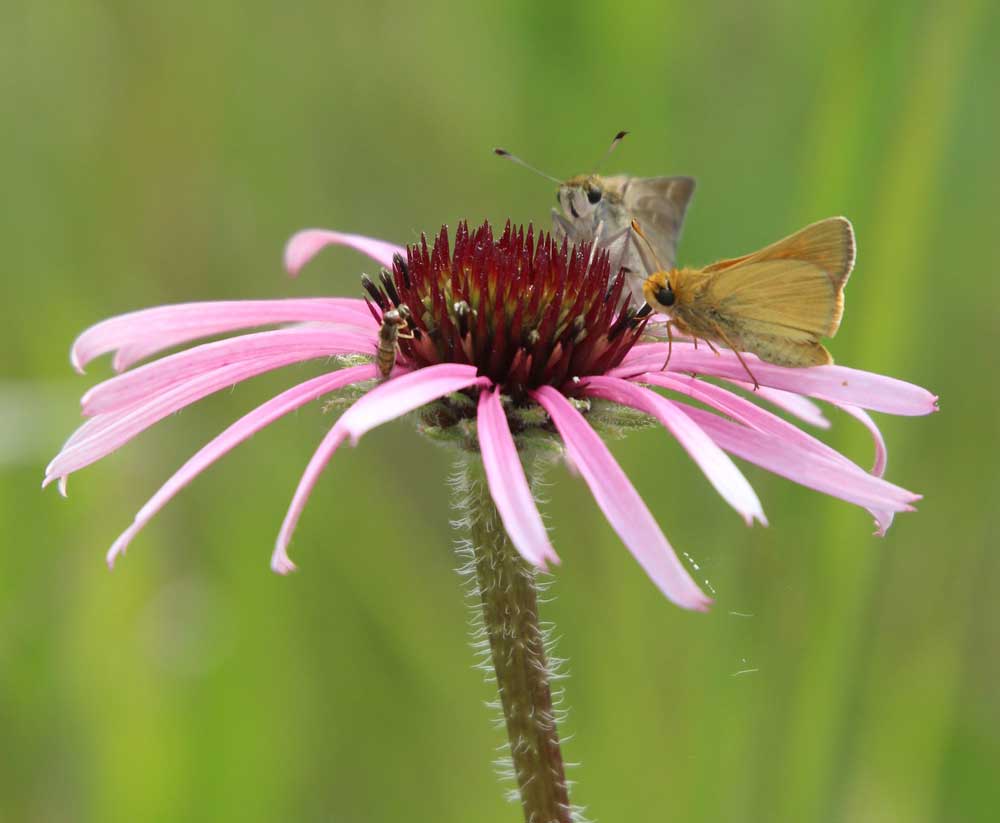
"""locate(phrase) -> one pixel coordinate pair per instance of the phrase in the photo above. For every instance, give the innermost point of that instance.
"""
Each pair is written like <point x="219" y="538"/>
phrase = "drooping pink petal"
<point x="238" y="432"/>
<point x="620" y="502"/>
<point x="746" y="412"/>
<point x="508" y="484"/>
<point x="392" y="399"/>
<point x="883" y="517"/>
<point x="128" y="356"/>
<point x="85" y="431"/>
<point x="294" y="345"/>
<point x="795" y="404"/>
<point x="881" y="454"/>
<point x="306" y="244"/>
<point x="139" y="334"/>
<point x="401" y="395"/>
<point x="107" y="432"/>
<point x="721" y="472"/>
<point x="741" y="409"/>
<point x="837" y="384"/>
<point x="280" y="561"/>
<point x="807" y="468"/>
<point x="104" y="433"/>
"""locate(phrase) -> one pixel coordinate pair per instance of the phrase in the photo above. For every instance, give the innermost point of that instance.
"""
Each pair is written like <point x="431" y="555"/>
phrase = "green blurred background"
<point x="163" y="152"/>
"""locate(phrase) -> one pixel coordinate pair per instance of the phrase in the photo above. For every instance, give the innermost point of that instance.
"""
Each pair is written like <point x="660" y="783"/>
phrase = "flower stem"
<point x="507" y="592"/>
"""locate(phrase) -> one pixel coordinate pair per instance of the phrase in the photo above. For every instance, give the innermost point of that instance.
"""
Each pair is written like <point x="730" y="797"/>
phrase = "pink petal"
<point x="809" y="469"/>
<point x="795" y="404"/>
<point x="741" y="409"/>
<point x="837" y="384"/>
<point x="401" y="395"/>
<point x="881" y="454"/>
<point x="305" y="245"/>
<point x="620" y="502"/>
<point x="138" y="334"/>
<point x="883" y="518"/>
<point x="392" y="399"/>
<point x="105" y="433"/>
<point x="291" y="345"/>
<point x="508" y="484"/>
<point x="280" y="561"/>
<point x="721" y="472"/>
<point x="238" y="432"/>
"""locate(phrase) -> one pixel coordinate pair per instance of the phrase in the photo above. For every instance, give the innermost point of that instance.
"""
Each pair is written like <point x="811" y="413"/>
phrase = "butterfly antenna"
<point x="614" y="145"/>
<point x="638" y="231"/>
<point x="515" y="159"/>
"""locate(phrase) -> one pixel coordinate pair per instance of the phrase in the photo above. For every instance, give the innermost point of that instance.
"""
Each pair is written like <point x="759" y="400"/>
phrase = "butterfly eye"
<point x="594" y="196"/>
<point x="665" y="295"/>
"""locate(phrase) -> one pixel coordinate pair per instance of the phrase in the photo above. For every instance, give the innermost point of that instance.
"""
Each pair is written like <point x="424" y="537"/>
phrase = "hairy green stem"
<point x="507" y="592"/>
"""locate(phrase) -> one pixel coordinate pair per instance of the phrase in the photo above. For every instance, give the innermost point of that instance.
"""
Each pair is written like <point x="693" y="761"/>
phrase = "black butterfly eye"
<point x="594" y="196"/>
<point x="665" y="295"/>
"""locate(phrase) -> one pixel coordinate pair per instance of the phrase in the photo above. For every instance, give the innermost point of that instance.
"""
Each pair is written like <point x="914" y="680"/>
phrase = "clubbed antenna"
<point x="614" y="145"/>
<point x="514" y="158"/>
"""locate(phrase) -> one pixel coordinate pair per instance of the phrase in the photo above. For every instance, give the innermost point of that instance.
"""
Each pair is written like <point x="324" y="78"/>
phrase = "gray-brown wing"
<point x="659" y="205"/>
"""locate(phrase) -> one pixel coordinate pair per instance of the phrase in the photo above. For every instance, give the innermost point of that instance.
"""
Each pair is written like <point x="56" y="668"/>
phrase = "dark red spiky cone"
<point x="526" y="313"/>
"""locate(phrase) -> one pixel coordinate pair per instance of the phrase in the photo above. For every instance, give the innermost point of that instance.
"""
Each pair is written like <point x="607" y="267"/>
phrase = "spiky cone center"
<point x="524" y="310"/>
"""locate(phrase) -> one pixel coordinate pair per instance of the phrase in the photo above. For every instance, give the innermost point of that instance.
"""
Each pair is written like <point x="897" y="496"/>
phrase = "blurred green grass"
<point x="164" y="152"/>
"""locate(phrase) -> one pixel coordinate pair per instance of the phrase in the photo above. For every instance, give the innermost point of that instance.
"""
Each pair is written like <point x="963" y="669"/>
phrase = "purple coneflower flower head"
<point x="515" y="345"/>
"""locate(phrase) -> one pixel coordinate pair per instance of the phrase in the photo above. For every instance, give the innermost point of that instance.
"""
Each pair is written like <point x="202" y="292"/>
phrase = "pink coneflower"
<point x="500" y="328"/>
<point x="516" y="347"/>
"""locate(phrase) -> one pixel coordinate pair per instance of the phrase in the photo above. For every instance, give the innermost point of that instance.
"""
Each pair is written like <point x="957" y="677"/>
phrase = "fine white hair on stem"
<point x="465" y="493"/>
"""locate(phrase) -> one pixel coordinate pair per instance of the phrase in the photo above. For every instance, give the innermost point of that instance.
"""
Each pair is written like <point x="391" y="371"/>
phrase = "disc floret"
<point x="524" y="310"/>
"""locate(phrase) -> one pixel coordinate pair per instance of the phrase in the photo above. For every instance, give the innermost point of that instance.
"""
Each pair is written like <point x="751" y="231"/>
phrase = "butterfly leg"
<point x="743" y="363"/>
<point x="670" y="345"/>
<point x="593" y="247"/>
<point x="561" y="227"/>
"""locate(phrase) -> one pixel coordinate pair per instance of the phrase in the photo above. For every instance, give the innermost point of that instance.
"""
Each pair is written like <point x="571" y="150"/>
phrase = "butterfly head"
<point x="658" y="291"/>
<point x="580" y="196"/>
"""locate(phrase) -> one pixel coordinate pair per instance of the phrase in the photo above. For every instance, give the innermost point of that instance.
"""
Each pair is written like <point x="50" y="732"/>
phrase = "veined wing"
<point x="829" y="244"/>
<point x="794" y="284"/>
